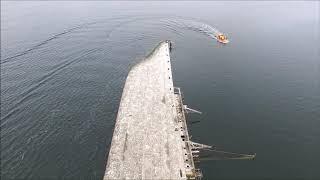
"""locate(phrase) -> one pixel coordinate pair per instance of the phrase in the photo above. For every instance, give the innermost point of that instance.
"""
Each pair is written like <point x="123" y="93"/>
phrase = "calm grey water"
<point x="63" y="66"/>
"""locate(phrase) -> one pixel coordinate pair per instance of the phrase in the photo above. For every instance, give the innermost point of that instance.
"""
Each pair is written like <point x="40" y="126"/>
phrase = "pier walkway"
<point x="150" y="135"/>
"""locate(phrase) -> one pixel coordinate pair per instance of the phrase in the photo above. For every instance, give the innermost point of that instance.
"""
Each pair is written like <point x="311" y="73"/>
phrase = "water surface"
<point x="63" y="66"/>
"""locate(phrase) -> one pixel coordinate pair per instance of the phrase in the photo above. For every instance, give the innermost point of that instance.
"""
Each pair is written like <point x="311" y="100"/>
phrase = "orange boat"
<point x="222" y="38"/>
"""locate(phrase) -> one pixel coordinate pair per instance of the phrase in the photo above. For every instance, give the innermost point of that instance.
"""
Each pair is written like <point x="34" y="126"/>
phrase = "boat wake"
<point x="53" y="37"/>
<point x="195" y="26"/>
<point x="172" y="24"/>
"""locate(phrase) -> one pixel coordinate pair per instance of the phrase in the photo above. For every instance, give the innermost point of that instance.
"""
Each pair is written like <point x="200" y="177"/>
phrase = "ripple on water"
<point x="46" y="127"/>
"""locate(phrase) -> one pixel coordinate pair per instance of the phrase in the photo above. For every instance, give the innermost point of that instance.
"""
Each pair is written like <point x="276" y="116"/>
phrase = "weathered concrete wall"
<point x="146" y="143"/>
